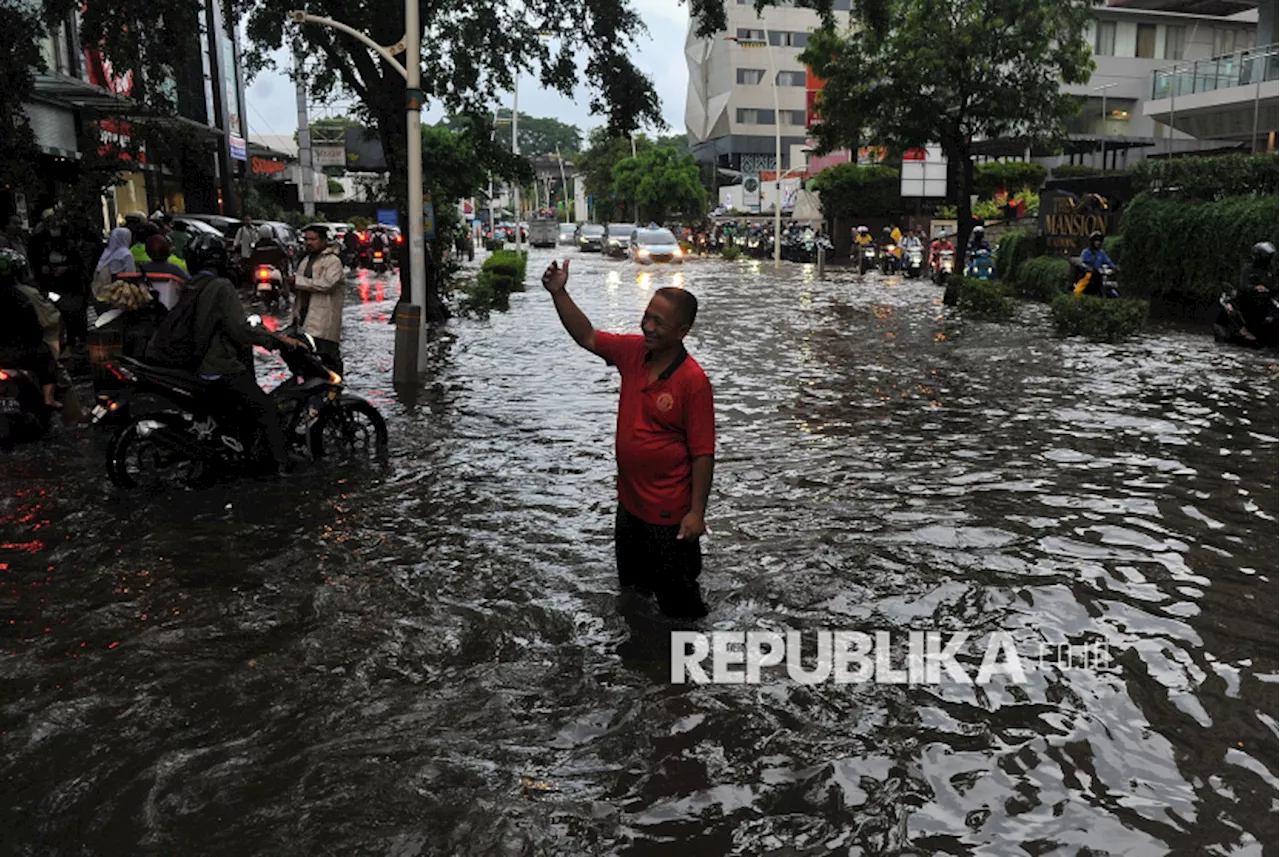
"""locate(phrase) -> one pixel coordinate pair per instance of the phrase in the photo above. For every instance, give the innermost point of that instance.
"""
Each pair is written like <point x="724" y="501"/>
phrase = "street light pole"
<point x="1104" y="89"/>
<point x="777" y="142"/>
<point x="515" y="146"/>
<point x="411" y="46"/>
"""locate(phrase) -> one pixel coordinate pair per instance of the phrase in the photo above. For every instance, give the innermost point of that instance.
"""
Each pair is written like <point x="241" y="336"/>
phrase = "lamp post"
<point x="515" y="145"/>
<point x="777" y="142"/>
<point x="1103" y="89"/>
<point x="411" y="46"/>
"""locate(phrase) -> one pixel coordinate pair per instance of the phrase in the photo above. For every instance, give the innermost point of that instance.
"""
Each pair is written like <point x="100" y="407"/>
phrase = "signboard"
<point x="813" y="86"/>
<point x="924" y="172"/>
<point x="267" y="168"/>
<point x="1066" y="219"/>
<point x="238" y="150"/>
<point x="328" y="156"/>
<point x="115" y="137"/>
<point x="231" y="99"/>
<point x="751" y="193"/>
<point x="428" y="221"/>
<point x="388" y="217"/>
<point x="364" y="151"/>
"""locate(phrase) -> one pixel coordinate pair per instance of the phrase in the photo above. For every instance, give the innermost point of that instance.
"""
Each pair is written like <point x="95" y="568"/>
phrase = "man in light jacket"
<point x="318" y="284"/>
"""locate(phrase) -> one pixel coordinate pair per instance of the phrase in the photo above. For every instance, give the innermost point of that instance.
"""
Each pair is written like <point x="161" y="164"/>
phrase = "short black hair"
<point x="685" y="303"/>
<point x="320" y="231"/>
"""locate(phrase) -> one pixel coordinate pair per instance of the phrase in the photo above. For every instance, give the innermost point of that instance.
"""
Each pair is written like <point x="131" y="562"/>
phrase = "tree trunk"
<point x="957" y="149"/>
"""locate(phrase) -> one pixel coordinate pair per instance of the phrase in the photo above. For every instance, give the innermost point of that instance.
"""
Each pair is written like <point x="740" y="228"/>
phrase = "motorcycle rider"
<point x="940" y="244"/>
<point x="380" y="241"/>
<point x="227" y="359"/>
<point x="269" y="251"/>
<point x="58" y="267"/>
<point x="1092" y="260"/>
<point x="319" y="283"/>
<point x="862" y="237"/>
<point x="22" y="333"/>
<point x="1255" y="297"/>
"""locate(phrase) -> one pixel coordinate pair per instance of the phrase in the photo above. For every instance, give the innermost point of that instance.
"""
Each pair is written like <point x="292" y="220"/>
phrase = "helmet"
<point x="862" y="230"/>
<point x="264" y="233"/>
<point x="207" y="252"/>
<point x="1095" y="235"/>
<point x="979" y="232"/>
<point x="1262" y="254"/>
<point x="13" y="268"/>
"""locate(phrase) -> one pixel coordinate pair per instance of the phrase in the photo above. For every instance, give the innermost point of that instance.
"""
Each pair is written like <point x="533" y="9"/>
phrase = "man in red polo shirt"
<point x="666" y="440"/>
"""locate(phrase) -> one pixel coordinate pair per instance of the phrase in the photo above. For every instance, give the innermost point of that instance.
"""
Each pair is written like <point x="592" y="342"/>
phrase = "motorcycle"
<point x="866" y="258"/>
<point x="268" y="284"/>
<point x="1102" y="283"/>
<point x="888" y="259"/>
<point x="23" y="414"/>
<point x="196" y="439"/>
<point x="981" y="266"/>
<point x="380" y="262"/>
<point x="1230" y="326"/>
<point x="914" y="262"/>
<point x="943" y="265"/>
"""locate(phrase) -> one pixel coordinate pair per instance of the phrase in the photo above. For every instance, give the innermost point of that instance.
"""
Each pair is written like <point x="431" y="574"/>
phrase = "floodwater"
<point x="428" y="655"/>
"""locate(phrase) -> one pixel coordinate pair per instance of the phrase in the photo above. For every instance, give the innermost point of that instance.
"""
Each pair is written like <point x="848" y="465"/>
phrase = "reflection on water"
<point x="429" y="656"/>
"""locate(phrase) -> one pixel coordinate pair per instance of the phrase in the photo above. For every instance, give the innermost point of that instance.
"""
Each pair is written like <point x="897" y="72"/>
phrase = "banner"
<point x="115" y="136"/>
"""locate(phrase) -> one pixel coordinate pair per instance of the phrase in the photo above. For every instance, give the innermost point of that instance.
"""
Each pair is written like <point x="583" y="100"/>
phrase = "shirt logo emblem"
<point x="665" y="402"/>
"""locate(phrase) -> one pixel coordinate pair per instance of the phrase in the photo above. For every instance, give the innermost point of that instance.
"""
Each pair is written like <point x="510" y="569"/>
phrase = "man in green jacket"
<point x="225" y="339"/>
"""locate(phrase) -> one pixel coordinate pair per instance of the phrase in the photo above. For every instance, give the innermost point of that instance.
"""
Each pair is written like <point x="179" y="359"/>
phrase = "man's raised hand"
<point x="556" y="277"/>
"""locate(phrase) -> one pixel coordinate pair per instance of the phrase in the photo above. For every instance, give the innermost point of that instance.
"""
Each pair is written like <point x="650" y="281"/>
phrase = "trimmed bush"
<point x="984" y="298"/>
<point x="1113" y="246"/>
<point x="1098" y="319"/>
<point x="1014" y="249"/>
<point x="731" y="253"/>
<point x="1208" y="179"/>
<point x="493" y="244"/>
<point x="1043" y="278"/>
<point x="859" y="190"/>
<point x="1186" y="253"/>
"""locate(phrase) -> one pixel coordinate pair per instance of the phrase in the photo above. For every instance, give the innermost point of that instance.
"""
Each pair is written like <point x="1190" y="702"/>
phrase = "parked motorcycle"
<point x="197" y="439"/>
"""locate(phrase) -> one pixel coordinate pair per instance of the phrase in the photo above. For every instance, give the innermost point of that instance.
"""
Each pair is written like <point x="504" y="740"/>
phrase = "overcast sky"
<point x="659" y="54"/>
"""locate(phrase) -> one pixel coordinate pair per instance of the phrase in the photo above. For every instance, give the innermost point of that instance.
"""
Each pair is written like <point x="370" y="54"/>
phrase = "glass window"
<point x="793" y="117"/>
<point x="1175" y="41"/>
<point x="750" y="76"/>
<point x="756" y="35"/>
<point x="1146" y="41"/>
<point x="1105" y="46"/>
<point x="754" y="116"/>
<point x="1228" y="40"/>
<point x="790" y="78"/>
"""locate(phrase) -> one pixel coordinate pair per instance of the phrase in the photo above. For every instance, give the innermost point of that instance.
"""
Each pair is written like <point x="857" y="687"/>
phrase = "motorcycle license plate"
<point x="99" y="412"/>
<point x="265" y="287"/>
<point x="10" y="406"/>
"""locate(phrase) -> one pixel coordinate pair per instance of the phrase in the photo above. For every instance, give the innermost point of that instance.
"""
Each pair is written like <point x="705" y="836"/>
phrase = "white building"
<point x="729" y="109"/>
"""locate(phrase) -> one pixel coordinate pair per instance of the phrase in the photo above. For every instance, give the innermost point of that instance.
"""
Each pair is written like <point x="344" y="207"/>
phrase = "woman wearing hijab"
<point x="115" y="260"/>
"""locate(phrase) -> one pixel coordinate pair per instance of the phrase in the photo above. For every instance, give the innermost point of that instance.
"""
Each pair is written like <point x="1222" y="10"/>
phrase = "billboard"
<point x="364" y="151"/>
<point x="924" y="172"/>
<point x="231" y="99"/>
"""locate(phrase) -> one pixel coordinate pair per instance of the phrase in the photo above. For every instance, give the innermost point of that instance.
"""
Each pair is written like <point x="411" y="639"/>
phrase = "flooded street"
<point x="428" y="655"/>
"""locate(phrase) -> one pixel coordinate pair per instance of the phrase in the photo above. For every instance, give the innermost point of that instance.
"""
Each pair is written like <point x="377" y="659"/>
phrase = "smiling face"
<point x="661" y="324"/>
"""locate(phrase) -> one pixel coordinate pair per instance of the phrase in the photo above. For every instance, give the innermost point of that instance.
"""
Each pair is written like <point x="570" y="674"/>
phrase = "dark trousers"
<point x="330" y="354"/>
<point x="242" y="394"/>
<point x="651" y="559"/>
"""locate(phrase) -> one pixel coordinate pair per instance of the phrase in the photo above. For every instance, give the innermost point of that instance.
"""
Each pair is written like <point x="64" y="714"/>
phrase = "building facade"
<point x="729" y="110"/>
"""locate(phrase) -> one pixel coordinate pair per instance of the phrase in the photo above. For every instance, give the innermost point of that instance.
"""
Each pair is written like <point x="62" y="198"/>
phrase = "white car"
<point x="655" y="245"/>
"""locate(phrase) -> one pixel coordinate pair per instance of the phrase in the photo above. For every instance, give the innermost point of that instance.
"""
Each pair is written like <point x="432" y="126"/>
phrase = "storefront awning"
<point x="73" y="92"/>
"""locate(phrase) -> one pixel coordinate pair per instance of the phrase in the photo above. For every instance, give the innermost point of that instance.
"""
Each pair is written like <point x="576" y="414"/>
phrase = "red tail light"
<point x="4" y="376"/>
<point x="377" y="255"/>
<point x="264" y="274"/>
<point x="399" y="239"/>
<point x="364" y="236"/>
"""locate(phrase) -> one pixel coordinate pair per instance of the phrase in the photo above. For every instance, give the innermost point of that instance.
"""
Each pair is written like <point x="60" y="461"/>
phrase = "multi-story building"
<point x="729" y="111"/>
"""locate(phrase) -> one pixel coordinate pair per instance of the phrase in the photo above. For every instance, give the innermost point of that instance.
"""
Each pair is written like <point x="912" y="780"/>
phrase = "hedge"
<point x="493" y="244"/>
<point x="1208" y="179"/>
<point x="731" y="253"/>
<point x="500" y="275"/>
<point x="1187" y="253"/>
<point x="855" y="190"/>
<point x="1014" y="249"/>
<point x="1098" y="319"/>
<point x="1042" y="278"/>
<point x="1012" y="176"/>
<point x="984" y="298"/>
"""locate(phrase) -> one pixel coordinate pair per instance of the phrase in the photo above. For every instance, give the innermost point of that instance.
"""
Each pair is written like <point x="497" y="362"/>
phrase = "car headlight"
<point x="677" y="253"/>
<point x="642" y="252"/>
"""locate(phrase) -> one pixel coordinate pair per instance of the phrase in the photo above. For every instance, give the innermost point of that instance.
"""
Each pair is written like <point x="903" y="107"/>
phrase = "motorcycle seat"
<point x="177" y="377"/>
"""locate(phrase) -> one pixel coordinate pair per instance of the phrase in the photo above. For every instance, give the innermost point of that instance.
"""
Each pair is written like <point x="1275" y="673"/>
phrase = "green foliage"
<point x="605" y="151"/>
<point x="508" y="263"/>
<point x="500" y="275"/>
<point x="1098" y="319"/>
<point x="678" y="142"/>
<point x="1113" y="246"/>
<point x="911" y="72"/>
<point x="987" y="209"/>
<point x="361" y="222"/>
<point x="1074" y="171"/>
<point x="1011" y="176"/>
<point x="1187" y="252"/>
<point x="538" y="135"/>
<point x="984" y="298"/>
<point x="1042" y="278"/>
<point x="18" y="65"/>
<point x="731" y="253"/>
<point x="493" y="244"/>
<point x="1031" y="199"/>
<point x="335" y="186"/>
<point x="661" y="182"/>
<point x="1208" y="179"/>
<point x="853" y="190"/>
<point x="1014" y="248"/>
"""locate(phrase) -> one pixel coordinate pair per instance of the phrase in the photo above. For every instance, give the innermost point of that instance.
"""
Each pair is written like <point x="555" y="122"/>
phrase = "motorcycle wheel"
<point x="136" y="457"/>
<point x="348" y="430"/>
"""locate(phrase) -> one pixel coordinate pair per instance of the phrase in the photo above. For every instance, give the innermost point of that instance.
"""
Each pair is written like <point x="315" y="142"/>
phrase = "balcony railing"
<point x="1242" y="68"/>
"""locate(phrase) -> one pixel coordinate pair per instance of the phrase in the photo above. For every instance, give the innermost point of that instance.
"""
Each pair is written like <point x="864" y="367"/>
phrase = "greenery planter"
<point x="984" y="298"/>
<point x="1043" y="278"/>
<point x="731" y="254"/>
<point x="1098" y="319"/>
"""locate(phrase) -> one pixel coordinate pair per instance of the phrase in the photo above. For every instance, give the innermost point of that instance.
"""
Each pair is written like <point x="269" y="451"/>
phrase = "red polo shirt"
<point x="661" y="427"/>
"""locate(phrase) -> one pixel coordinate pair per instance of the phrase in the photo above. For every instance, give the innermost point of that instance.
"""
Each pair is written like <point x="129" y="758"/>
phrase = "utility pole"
<point x="515" y="143"/>
<point x="564" y="183"/>
<point x="307" y="185"/>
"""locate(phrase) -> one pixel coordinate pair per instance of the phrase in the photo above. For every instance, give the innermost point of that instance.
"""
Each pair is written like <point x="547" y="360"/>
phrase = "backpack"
<point x="174" y="345"/>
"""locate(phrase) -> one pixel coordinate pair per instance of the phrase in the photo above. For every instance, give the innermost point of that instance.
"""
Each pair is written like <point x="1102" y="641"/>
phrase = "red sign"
<point x="813" y="86"/>
<point x="266" y="166"/>
<point x="114" y="135"/>
<point x="916" y="153"/>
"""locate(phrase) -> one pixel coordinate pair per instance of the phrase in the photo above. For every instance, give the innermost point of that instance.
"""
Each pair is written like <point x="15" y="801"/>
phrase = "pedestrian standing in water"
<point x="665" y="444"/>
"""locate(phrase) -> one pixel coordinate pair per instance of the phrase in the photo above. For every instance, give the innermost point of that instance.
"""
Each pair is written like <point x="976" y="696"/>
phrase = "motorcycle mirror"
<point x="254" y="320"/>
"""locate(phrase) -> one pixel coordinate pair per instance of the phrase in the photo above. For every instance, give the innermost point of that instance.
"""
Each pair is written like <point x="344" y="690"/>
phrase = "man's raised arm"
<point x="574" y="320"/>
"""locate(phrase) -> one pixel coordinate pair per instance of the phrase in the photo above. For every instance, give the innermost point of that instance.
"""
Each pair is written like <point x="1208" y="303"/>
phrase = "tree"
<point x="679" y="143"/>
<point x="859" y="190"/>
<point x="661" y="182"/>
<point x="604" y="152"/>
<point x="18" y="65"/>
<point x="472" y="49"/>
<point x="949" y="72"/>
<point x="538" y="135"/>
